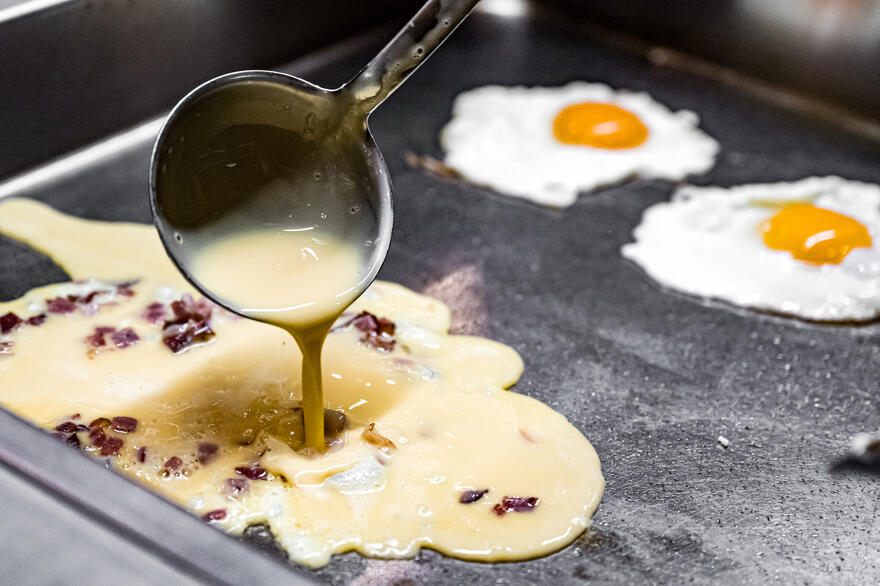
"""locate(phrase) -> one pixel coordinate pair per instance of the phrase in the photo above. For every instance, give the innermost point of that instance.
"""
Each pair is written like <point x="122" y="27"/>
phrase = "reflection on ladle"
<point x="272" y="198"/>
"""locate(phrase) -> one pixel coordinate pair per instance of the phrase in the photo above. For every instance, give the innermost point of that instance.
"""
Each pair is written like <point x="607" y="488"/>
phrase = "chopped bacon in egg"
<point x="377" y="332"/>
<point x="9" y="322"/>
<point x="472" y="496"/>
<point x="191" y="323"/>
<point x="515" y="504"/>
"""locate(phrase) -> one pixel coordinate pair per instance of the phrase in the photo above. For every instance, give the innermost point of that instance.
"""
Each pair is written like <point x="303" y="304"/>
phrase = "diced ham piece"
<point x="9" y="322"/>
<point x="125" y="424"/>
<point x="253" y="472"/>
<point x="215" y="515"/>
<point x="472" y="496"/>
<point x="60" y="305"/>
<point x="515" y="504"/>
<point x="207" y="452"/>
<point x="125" y="338"/>
<point x="36" y="320"/>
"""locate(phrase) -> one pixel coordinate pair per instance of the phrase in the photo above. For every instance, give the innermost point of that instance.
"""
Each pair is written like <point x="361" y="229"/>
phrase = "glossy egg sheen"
<point x="599" y="125"/>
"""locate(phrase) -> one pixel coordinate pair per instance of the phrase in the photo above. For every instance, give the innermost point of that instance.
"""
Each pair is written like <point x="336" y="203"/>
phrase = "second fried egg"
<point x="807" y="248"/>
<point x="547" y="144"/>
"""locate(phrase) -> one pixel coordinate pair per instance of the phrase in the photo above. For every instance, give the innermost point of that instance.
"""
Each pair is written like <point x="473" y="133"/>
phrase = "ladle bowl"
<point x="262" y="149"/>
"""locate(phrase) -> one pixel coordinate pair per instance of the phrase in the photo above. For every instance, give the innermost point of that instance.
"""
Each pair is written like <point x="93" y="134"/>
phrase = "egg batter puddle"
<point x="427" y="448"/>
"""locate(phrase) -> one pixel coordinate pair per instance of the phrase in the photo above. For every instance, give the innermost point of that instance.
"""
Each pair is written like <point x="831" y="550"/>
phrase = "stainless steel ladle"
<point x="256" y="149"/>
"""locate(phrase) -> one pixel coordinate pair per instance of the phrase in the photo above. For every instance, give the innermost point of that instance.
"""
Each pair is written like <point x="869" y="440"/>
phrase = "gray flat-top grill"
<point x="652" y="378"/>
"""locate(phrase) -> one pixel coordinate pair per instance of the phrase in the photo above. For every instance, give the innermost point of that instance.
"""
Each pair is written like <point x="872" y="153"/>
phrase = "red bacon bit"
<point x="60" y="305"/>
<point x="98" y="437"/>
<point x="111" y="446"/>
<point x="472" y="496"/>
<point x="68" y="438"/>
<point x="173" y="464"/>
<point x="9" y="322"/>
<point x="142" y="454"/>
<point x="191" y="323"/>
<point x="125" y="289"/>
<point x="154" y="313"/>
<point x="236" y="486"/>
<point x="125" y="337"/>
<point x="36" y="320"/>
<point x="378" y="332"/>
<point x="515" y="504"/>
<point x="215" y="515"/>
<point x="253" y="472"/>
<point x="207" y="452"/>
<point x="68" y="427"/>
<point x="96" y="339"/>
<point x="125" y="424"/>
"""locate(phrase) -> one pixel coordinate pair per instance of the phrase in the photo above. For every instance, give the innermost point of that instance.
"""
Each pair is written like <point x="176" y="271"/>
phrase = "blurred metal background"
<point x="75" y="70"/>
<point x="829" y="49"/>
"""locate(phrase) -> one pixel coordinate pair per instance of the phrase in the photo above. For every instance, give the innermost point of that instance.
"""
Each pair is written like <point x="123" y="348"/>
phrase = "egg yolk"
<point x="604" y="126"/>
<point x="814" y="235"/>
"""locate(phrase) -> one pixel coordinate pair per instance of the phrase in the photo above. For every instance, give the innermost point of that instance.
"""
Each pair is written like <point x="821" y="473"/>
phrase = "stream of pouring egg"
<point x="298" y="279"/>
<point x="220" y="410"/>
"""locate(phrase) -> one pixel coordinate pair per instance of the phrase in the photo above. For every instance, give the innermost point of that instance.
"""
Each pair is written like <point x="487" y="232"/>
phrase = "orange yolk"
<point x="814" y="235"/>
<point x="604" y="126"/>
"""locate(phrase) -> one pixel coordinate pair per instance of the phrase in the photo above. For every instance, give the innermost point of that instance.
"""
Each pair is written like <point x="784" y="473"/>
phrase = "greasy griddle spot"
<point x="432" y="166"/>
<point x="233" y="487"/>
<point x="191" y="323"/>
<point x="125" y="424"/>
<point x="377" y="440"/>
<point x="253" y="472"/>
<point x="515" y="504"/>
<point x="472" y="496"/>
<point x="215" y="515"/>
<point x="207" y="452"/>
<point x="9" y="322"/>
<point x="377" y="332"/>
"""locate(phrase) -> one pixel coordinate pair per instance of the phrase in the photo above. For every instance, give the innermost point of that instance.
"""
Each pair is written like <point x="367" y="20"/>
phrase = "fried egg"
<point x="806" y="249"/>
<point x="547" y="144"/>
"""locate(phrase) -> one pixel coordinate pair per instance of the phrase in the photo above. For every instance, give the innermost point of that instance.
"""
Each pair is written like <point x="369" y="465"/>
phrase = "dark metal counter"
<point x="651" y="378"/>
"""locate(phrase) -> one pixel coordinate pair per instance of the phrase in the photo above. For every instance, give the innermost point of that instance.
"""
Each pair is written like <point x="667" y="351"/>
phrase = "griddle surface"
<point x="650" y="377"/>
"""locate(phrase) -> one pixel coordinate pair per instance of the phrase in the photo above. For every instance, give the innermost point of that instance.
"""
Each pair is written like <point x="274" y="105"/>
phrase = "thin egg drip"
<point x="599" y="125"/>
<point x="815" y="235"/>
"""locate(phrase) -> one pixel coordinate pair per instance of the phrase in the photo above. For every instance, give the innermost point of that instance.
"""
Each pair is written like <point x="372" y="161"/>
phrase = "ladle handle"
<point x="407" y="50"/>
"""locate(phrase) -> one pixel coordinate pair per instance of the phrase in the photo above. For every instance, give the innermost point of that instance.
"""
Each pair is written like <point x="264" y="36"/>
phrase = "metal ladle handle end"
<point x="409" y="48"/>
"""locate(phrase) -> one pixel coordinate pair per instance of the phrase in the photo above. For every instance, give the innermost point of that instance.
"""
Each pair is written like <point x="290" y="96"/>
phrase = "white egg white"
<point x="502" y="137"/>
<point x="708" y="241"/>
